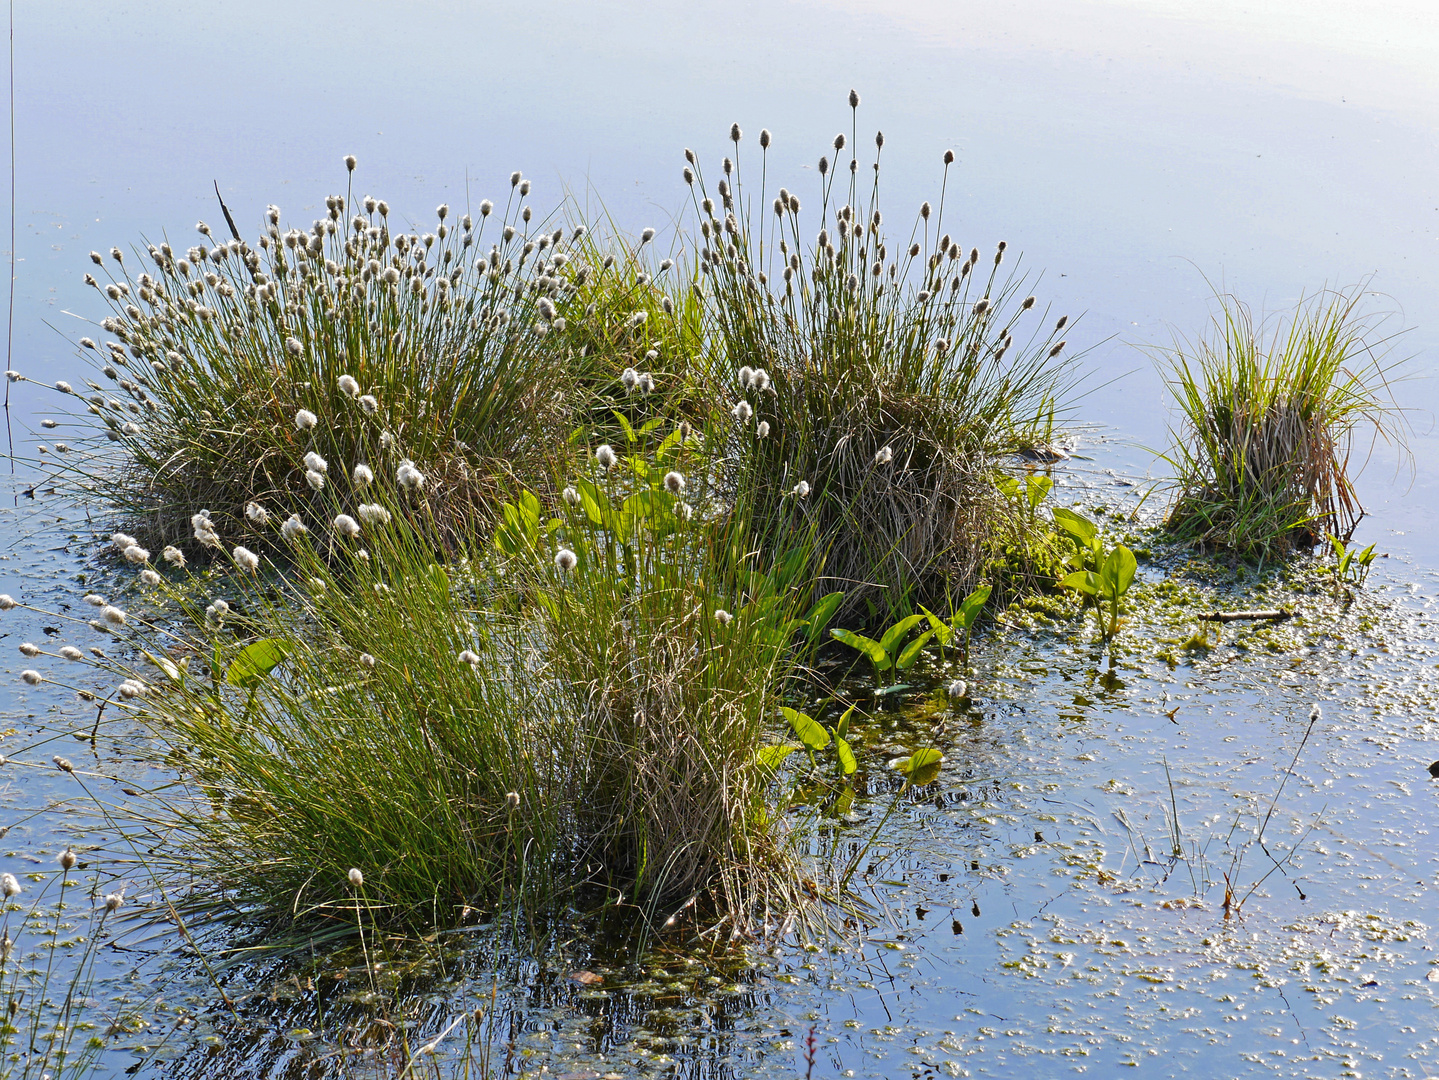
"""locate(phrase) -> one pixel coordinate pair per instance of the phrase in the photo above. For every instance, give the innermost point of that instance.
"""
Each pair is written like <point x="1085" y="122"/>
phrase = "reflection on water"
<point x="1059" y="903"/>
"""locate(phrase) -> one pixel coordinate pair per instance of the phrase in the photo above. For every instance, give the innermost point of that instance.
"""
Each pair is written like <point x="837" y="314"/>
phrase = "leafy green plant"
<point x="1026" y="495"/>
<point x="1106" y="587"/>
<point x="890" y="653"/>
<point x="961" y="622"/>
<point x="815" y="737"/>
<point x="1351" y="565"/>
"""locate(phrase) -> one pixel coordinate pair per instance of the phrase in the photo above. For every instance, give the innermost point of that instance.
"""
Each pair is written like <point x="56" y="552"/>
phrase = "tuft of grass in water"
<point x="894" y="372"/>
<point x="453" y="340"/>
<point x="1269" y="410"/>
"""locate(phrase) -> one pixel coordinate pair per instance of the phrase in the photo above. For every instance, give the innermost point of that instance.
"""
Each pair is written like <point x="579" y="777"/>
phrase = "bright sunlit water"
<point x="1138" y="154"/>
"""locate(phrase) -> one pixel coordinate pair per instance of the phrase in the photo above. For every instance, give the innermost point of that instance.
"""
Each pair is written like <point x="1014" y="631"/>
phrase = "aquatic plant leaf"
<point x="941" y="630"/>
<point x="895" y="634"/>
<point x="257" y="660"/>
<point x="1083" y="580"/>
<point x="593" y="500"/>
<point x="912" y="650"/>
<point x="1036" y="488"/>
<point x="847" y="762"/>
<point x="893" y="688"/>
<point x="625" y="426"/>
<point x="971" y="606"/>
<point x="1119" y="570"/>
<point x="1009" y="487"/>
<point x="866" y="645"/>
<point x="772" y="756"/>
<point x="810" y="732"/>
<point x="1080" y="529"/>
<point x="820" y="615"/>
<point x="841" y="729"/>
<point x="922" y="766"/>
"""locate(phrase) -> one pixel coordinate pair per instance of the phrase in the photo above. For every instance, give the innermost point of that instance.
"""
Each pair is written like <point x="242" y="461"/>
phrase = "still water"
<point x="1134" y="153"/>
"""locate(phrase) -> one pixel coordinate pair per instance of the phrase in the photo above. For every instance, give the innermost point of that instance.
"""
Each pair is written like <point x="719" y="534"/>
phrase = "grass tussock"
<point x="1269" y="411"/>
<point x="888" y="374"/>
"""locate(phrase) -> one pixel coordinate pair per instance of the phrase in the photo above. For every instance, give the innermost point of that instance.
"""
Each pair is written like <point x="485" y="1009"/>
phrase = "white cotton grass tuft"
<point x="605" y="456"/>
<point x="9" y="886"/>
<point x="69" y="652"/>
<point x="357" y="879"/>
<point x="566" y="560"/>
<point x="246" y="559"/>
<point x="674" y="483"/>
<point x="884" y="455"/>
<point x="256" y="514"/>
<point x="722" y="616"/>
<point x="316" y="480"/>
<point x="150" y="577"/>
<point x="631" y="380"/>
<point x="293" y="528"/>
<point x="347" y="526"/>
<point x="121" y="541"/>
<point x="762" y="429"/>
<point x="113" y="615"/>
<point x="364" y="475"/>
<point x="30" y="649"/>
<point x="366" y="660"/>
<point x="305" y="420"/>
<point x="32" y="677"/>
<point x="7" y="602"/>
<point x="512" y="800"/>
<point x="957" y="689"/>
<point x="1316" y="713"/>
<point x="132" y="688"/>
<point x="742" y="411"/>
<point x="759" y="380"/>
<point x="409" y="477"/>
<point x="684" y="511"/>
<point x="372" y="514"/>
<point x="571" y="496"/>
<point x="113" y="902"/>
<point x="469" y="656"/>
<point x="315" y="463"/>
<point x="746" y="373"/>
<point x="174" y="556"/>
<point x="136" y="554"/>
<point x="802" y="489"/>
<point x="369" y="403"/>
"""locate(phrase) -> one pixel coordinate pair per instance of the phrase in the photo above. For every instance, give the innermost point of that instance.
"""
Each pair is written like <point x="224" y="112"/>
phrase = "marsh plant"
<point x="448" y="337"/>
<point x="1269" y="413"/>
<point x="885" y="372"/>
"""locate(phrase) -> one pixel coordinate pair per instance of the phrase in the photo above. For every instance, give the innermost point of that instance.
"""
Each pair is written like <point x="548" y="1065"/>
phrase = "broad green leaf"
<point x="866" y="645"/>
<point x="652" y="423"/>
<point x="1083" y="580"/>
<point x="820" y="615"/>
<point x="530" y="507"/>
<point x="1009" y="487"/>
<point x="847" y="762"/>
<point x="1083" y="531"/>
<point x="893" y="688"/>
<point x="922" y="766"/>
<point x="971" y="605"/>
<point x="844" y="803"/>
<point x="668" y="443"/>
<point x="841" y="730"/>
<point x="1036" y="488"/>
<point x="896" y="633"/>
<point x="256" y="660"/>
<point x="625" y="427"/>
<point x="771" y="757"/>
<point x="942" y="631"/>
<point x="912" y="650"/>
<point x="812" y="734"/>
<point x="594" y="501"/>
<point x="1119" y="570"/>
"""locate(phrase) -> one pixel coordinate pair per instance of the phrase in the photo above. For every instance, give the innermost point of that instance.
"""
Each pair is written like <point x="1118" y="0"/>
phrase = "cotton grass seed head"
<point x="674" y="482"/>
<point x="9" y="886"/>
<point x="512" y="800"/>
<point x="372" y="514"/>
<point x="884" y="455"/>
<point x="6" y="602"/>
<point x="957" y="689"/>
<point x="759" y="381"/>
<point x="347" y="384"/>
<point x="69" y="652"/>
<point x="246" y="559"/>
<point x="369" y="404"/>
<point x="256" y="514"/>
<point x="113" y="902"/>
<point x="32" y="677"/>
<point x="316" y="463"/>
<point x="366" y="660"/>
<point x="363" y="475"/>
<point x="150" y="577"/>
<point x="174" y="556"/>
<point x="742" y="411"/>
<point x="293" y="528"/>
<point x="67" y="859"/>
<point x="347" y="526"/>
<point x="409" y="477"/>
<point x="305" y="420"/>
<point x="802" y="489"/>
<point x="469" y="656"/>
<point x="722" y="616"/>
<point x="605" y="456"/>
<point x="566" y="560"/>
<point x="113" y="615"/>
<point x="762" y="429"/>
<point x="30" y="649"/>
<point x="571" y="496"/>
<point x="316" y="480"/>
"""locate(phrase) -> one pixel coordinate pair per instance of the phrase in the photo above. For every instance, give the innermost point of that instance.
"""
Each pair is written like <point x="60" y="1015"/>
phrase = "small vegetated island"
<point x="515" y="567"/>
